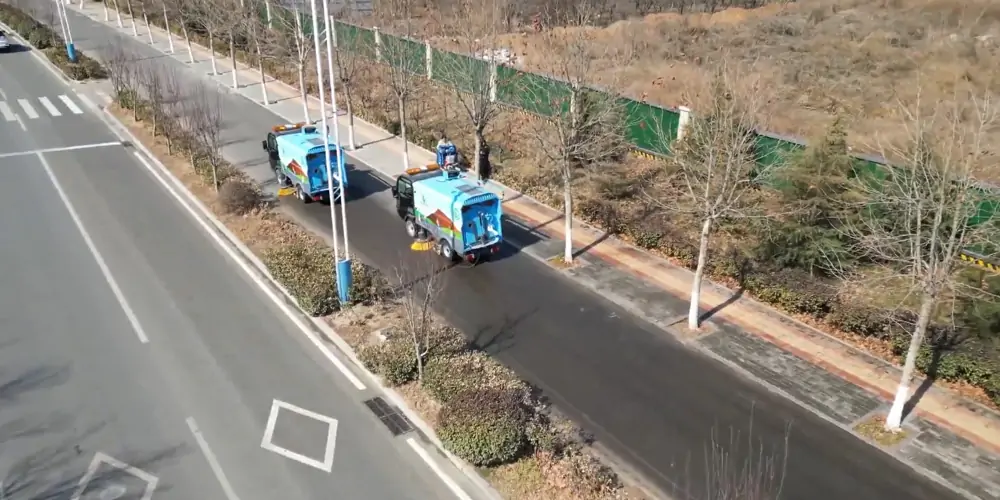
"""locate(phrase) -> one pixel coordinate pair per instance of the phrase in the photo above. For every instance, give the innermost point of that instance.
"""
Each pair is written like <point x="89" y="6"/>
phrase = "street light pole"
<point x="67" y="34"/>
<point x="342" y="272"/>
<point x="330" y="26"/>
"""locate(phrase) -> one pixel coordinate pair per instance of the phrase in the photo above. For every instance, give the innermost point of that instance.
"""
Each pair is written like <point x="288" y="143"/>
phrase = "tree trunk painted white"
<point x="267" y="8"/>
<point x="166" y="24"/>
<point x="263" y="78"/>
<point x="211" y="52"/>
<point x="351" y="144"/>
<point x="149" y="29"/>
<point x="135" y="32"/>
<point x="118" y="15"/>
<point x="699" y="274"/>
<point x="187" y="41"/>
<point x="232" y="59"/>
<point x="568" y="217"/>
<point x="402" y="133"/>
<point x="894" y="422"/>
<point x="302" y="90"/>
<point x="107" y="15"/>
<point x="477" y="147"/>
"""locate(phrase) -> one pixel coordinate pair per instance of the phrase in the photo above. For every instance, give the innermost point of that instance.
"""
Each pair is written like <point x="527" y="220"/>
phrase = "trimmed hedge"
<point x="306" y="270"/>
<point x="447" y="377"/>
<point x="395" y="360"/>
<point x="51" y="44"/>
<point x="484" y="426"/>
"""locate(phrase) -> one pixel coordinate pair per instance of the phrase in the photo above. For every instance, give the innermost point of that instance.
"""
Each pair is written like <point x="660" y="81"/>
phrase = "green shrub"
<point x="239" y="196"/>
<point x="859" y="320"/>
<point x="992" y="388"/>
<point x="394" y="360"/>
<point x="485" y="427"/>
<point x="368" y="284"/>
<point x="42" y="38"/>
<point x="446" y="377"/>
<point x="93" y="68"/>
<point x="306" y="271"/>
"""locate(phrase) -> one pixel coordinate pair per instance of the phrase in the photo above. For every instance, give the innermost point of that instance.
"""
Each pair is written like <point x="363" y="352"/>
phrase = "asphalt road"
<point x="659" y="406"/>
<point x="167" y="373"/>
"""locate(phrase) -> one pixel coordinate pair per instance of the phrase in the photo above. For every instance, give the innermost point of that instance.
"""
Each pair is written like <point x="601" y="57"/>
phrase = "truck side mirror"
<point x="263" y="144"/>
<point x="395" y="192"/>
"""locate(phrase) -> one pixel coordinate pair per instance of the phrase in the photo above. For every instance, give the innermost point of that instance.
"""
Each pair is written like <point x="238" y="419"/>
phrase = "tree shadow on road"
<point x="55" y="470"/>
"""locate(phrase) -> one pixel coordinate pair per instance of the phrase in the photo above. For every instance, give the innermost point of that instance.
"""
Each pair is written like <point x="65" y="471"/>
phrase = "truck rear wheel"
<point x="302" y="195"/>
<point x="446" y="251"/>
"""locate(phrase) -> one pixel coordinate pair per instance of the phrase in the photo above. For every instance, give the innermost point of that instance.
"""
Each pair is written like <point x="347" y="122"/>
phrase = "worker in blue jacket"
<point x="447" y="153"/>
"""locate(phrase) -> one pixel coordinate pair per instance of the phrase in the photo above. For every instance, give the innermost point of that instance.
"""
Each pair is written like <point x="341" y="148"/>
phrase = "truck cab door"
<point x="271" y="146"/>
<point x="403" y="192"/>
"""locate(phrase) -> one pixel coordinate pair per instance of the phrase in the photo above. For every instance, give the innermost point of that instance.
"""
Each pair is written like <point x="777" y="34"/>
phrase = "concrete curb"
<point x="320" y="326"/>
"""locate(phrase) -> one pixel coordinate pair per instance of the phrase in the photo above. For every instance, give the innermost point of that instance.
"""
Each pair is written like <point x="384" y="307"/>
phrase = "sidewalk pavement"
<point x="953" y="438"/>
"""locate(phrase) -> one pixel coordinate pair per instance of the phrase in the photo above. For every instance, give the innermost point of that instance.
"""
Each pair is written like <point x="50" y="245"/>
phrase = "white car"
<point x="4" y="44"/>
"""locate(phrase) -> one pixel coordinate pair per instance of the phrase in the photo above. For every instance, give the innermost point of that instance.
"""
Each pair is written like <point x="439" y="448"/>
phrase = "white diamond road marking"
<point x="28" y="110"/>
<point x="70" y="104"/>
<point x="101" y="458"/>
<point x="6" y="112"/>
<point x="51" y="108"/>
<point x="331" y="437"/>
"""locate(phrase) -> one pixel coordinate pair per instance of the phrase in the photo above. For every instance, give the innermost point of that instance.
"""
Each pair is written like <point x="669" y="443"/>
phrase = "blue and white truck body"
<point x="297" y="154"/>
<point x="461" y="218"/>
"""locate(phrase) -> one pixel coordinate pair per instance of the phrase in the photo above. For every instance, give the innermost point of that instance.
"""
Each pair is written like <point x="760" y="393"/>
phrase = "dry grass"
<point x="858" y="58"/>
<point x="874" y="429"/>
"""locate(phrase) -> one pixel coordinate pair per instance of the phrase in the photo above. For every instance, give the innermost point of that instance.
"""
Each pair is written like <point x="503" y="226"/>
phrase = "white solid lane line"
<point x="132" y="319"/>
<point x="51" y="108"/>
<point x="28" y="109"/>
<point x="444" y="477"/>
<point x="213" y="462"/>
<point x="70" y="104"/>
<point x="5" y="110"/>
<point x="56" y="150"/>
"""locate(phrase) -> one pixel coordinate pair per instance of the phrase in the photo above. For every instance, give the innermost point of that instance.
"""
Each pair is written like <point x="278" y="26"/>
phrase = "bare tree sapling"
<point x="917" y="221"/>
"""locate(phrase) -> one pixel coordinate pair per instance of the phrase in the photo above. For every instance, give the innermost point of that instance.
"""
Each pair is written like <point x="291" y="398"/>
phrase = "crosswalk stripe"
<point x="86" y="101"/>
<point x="51" y="108"/>
<point x="28" y="110"/>
<point x="70" y="104"/>
<point x="6" y="112"/>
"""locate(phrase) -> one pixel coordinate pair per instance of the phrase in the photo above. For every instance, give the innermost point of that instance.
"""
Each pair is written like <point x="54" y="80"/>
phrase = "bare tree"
<point x="348" y="58"/>
<point x="166" y="26"/>
<point x="119" y="62"/>
<point x="118" y="14"/>
<point x="587" y="127"/>
<point x="151" y="83"/>
<point x="131" y="15"/>
<point x="714" y="167"/>
<point x="145" y="20"/>
<point x="291" y="38"/>
<point x="916" y="223"/>
<point x="171" y="106"/>
<point x="204" y="114"/>
<point x="181" y="11"/>
<point x="211" y="17"/>
<point x="260" y="37"/>
<point x="403" y="65"/>
<point x="742" y="467"/>
<point x="232" y="22"/>
<point x="476" y="84"/>
<point x="418" y="289"/>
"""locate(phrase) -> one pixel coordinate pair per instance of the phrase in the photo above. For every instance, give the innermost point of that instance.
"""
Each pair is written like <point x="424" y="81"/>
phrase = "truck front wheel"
<point x="411" y="228"/>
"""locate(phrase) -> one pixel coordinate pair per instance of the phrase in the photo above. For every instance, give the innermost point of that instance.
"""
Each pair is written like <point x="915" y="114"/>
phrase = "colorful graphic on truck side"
<point x="441" y="221"/>
<point x="296" y="169"/>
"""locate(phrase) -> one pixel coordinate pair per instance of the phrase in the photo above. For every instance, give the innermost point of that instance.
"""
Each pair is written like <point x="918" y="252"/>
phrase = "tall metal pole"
<point x="330" y="26"/>
<point x="67" y="33"/>
<point x="342" y="290"/>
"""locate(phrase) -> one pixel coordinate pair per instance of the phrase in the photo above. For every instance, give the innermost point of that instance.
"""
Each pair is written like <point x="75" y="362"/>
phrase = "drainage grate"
<point x="390" y="416"/>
